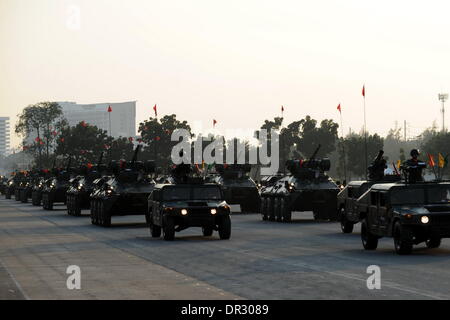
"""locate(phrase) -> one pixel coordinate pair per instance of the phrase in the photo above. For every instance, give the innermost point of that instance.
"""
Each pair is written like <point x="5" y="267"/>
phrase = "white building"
<point x="123" y="116"/>
<point x="4" y="136"/>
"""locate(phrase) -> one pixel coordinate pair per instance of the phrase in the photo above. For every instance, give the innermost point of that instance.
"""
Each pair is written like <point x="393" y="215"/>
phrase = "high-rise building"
<point x="123" y="116"/>
<point x="4" y="136"/>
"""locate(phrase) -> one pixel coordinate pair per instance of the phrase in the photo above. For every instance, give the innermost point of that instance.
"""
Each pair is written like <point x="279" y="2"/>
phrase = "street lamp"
<point x="443" y="97"/>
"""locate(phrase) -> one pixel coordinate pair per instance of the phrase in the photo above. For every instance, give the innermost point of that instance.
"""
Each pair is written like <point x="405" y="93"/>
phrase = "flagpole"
<point x="365" y="131"/>
<point x="343" y="146"/>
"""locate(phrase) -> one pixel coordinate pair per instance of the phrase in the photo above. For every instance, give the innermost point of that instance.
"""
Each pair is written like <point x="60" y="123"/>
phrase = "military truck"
<point x="55" y="188"/>
<point x="306" y="188"/>
<point x="189" y="202"/>
<point x="410" y="213"/>
<point x="81" y="187"/>
<point x="348" y="213"/>
<point x="125" y="193"/>
<point x="237" y="186"/>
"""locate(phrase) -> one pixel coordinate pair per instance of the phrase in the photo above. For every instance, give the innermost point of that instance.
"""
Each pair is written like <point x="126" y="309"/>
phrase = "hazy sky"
<point x="234" y="61"/>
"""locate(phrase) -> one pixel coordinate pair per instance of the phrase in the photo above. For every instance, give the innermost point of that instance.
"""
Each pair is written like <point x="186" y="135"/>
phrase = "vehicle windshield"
<point x="196" y="193"/>
<point x="439" y="195"/>
<point x="408" y="196"/>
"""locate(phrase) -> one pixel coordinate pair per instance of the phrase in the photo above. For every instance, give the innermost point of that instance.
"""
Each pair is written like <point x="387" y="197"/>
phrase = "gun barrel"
<point x="315" y="152"/>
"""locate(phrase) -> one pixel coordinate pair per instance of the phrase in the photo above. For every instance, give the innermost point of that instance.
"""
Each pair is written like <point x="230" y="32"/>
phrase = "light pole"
<point x="443" y="97"/>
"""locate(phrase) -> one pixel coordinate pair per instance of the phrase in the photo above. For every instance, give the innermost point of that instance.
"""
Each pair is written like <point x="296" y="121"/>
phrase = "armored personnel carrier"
<point x="12" y="184"/>
<point x="38" y="186"/>
<point x="26" y="187"/>
<point x="188" y="202"/>
<point x="3" y="181"/>
<point x="125" y="193"/>
<point x="22" y="179"/>
<point x="348" y="213"/>
<point x="306" y="188"/>
<point x="55" y="188"/>
<point x="237" y="186"/>
<point x="81" y="187"/>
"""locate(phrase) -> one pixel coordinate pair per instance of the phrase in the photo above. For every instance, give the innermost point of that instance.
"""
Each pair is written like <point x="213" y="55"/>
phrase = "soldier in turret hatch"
<point x="414" y="167"/>
<point x="376" y="168"/>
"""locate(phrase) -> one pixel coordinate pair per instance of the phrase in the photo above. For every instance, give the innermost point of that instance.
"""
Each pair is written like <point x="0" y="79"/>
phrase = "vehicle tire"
<point x="277" y="209"/>
<point x="76" y="207"/>
<point x="346" y="226"/>
<point x="433" y="242"/>
<point x="225" y="228"/>
<point x="369" y="241"/>
<point x="270" y="208"/>
<point x="93" y="213"/>
<point x="285" y="209"/>
<point x="207" y="231"/>
<point x="155" y="231"/>
<point x="402" y="239"/>
<point x="265" y="217"/>
<point x="168" y="229"/>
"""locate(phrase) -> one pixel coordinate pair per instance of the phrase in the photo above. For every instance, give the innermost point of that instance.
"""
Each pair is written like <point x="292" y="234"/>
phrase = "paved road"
<point x="263" y="260"/>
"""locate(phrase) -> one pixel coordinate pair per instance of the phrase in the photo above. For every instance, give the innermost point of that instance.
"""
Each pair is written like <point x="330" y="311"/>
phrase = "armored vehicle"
<point x="25" y="188"/>
<point x="81" y="187"/>
<point x="348" y="213"/>
<point x="306" y="188"/>
<point x="3" y="182"/>
<point x="38" y="186"/>
<point x="55" y="188"/>
<point x="237" y="186"/>
<point x="12" y="184"/>
<point x="125" y="193"/>
<point x="189" y="202"/>
<point x="21" y="181"/>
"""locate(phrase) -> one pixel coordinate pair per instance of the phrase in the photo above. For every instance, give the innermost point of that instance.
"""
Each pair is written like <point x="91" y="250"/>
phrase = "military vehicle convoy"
<point x="188" y="202"/>
<point x="38" y="186"/>
<point x="125" y="193"/>
<point x="12" y="184"/>
<point x="237" y="186"/>
<point x="81" y="187"/>
<point x="348" y="213"/>
<point x="306" y="188"/>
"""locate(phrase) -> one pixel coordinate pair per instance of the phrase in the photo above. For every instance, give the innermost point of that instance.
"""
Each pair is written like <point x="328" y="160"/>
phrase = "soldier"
<point x="376" y="169"/>
<point x="414" y="167"/>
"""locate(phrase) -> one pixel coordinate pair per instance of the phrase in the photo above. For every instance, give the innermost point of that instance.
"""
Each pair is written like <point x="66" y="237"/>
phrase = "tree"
<point x="44" y="119"/>
<point x="83" y="143"/>
<point x="156" y="135"/>
<point x="355" y="152"/>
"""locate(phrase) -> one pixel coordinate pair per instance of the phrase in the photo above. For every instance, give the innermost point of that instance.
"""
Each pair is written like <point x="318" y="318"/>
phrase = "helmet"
<point x="414" y="152"/>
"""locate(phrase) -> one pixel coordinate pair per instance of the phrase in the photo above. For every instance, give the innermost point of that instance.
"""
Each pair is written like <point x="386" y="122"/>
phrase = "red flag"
<point x="37" y="139"/>
<point x="158" y="138"/>
<point x="89" y="165"/>
<point x="339" y="107"/>
<point x="55" y="133"/>
<point x="156" y="112"/>
<point x="109" y="109"/>
<point x="282" y="109"/>
<point x="431" y="160"/>
<point x="83" y="124"/>
<point x="214" y="123"/>
<point x="364" y="91"/>
<point x="131" y="139"/>
<point x="62" y="139"/>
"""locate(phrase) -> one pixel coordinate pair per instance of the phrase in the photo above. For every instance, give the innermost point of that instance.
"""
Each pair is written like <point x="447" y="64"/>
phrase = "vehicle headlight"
<point x="109" y="191"/>
<point x="184" y="212"/>
<point x="213" y="211"/>
<point x="424" y="219"/>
